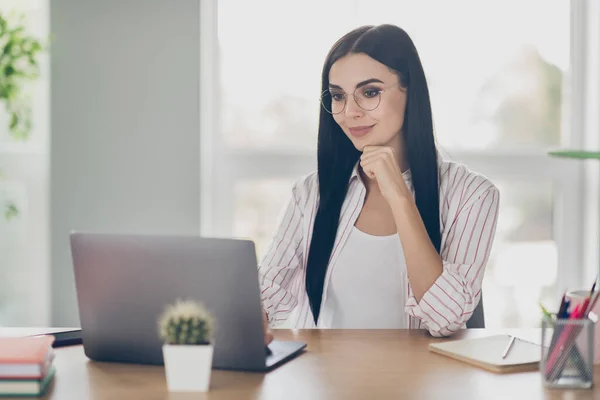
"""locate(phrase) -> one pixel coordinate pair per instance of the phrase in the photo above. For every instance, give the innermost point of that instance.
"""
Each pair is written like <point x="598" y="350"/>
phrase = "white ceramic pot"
<point x="188" y="367"/>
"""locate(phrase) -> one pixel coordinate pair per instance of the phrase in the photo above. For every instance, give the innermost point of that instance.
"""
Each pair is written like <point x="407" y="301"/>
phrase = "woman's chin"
<point x="361" y="144"/>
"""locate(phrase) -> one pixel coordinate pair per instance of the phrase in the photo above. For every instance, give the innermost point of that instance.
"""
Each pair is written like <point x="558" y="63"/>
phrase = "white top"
<point x="368" y="287"/>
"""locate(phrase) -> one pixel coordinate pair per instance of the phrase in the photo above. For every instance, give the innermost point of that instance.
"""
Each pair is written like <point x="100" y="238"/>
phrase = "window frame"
<point x="576" y="184"/>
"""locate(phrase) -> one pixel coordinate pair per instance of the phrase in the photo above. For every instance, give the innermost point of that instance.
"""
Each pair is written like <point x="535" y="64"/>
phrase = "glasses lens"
<point x="326" y="101"/>
<point x="368" y="99"/>
<point x="333" y="103"/>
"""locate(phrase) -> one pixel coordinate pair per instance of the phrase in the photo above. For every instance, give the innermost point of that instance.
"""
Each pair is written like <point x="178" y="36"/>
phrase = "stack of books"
<point x="26" y="365"/>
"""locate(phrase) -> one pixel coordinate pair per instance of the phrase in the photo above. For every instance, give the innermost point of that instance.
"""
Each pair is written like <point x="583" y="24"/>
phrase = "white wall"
<point x="124" y="125"/>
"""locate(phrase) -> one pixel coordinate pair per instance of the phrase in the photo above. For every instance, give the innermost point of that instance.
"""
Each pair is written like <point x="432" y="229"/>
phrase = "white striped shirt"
<point x="468" y="216"/>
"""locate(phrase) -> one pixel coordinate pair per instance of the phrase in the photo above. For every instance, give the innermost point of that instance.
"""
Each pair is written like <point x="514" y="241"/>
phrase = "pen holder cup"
<point x="567" y="359"/>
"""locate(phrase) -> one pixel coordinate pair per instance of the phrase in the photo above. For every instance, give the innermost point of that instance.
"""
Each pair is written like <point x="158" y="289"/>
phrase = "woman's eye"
<point x="337" y="96"/>
<point x="369" y="93"/>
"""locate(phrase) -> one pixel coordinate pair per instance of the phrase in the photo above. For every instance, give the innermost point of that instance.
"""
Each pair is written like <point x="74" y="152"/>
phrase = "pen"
<point x="512" y="340"/>
<point x="546" y="313"/>
<point x="592" y="298"/>
<point x="592" y="304"/>
<point x="564" y="306"/>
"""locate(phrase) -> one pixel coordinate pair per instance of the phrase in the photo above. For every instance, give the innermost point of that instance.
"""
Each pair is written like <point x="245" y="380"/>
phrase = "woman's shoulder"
<point x="305" y="187"/>
<point x="461" y="185"/>
<point x="306" y="183"/>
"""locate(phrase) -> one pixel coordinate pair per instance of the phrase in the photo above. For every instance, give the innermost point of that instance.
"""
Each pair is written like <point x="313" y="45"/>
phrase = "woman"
<point x="386" y="234"/>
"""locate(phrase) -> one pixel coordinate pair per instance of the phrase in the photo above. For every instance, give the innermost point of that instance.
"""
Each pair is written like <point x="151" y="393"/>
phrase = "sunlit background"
<point x="501" y="80"/>
<point x="24" y="240"/>
<point x="494" y="86"/>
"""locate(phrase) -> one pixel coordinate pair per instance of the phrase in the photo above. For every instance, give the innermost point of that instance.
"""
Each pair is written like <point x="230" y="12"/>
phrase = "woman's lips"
<point x="360" y="131"/>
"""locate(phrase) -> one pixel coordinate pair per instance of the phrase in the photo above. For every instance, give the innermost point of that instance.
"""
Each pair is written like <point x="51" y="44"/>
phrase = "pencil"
<point x="512" y="340"/>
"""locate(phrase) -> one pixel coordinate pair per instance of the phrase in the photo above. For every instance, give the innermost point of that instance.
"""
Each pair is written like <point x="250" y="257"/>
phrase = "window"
<point x="502" y="94"/>
<point x="24" y="261"/>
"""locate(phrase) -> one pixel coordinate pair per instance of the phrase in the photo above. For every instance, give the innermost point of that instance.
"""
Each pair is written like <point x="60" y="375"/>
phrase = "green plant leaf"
<point x="11" y="211"/>
<point x="579" y="154"/>
<point x="19" y="64"/>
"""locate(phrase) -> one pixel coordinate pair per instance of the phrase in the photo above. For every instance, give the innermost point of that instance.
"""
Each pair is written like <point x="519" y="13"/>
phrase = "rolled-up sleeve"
<point x="451" y="300"/>
<point x="283" y="259"/>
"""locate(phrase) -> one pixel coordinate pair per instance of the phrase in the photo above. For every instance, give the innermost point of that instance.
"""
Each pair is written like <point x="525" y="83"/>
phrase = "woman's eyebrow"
<point x="360" y="84"/>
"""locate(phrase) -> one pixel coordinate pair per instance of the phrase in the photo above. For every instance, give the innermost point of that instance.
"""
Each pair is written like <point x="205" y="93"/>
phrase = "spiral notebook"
<point x="486" y="353"/>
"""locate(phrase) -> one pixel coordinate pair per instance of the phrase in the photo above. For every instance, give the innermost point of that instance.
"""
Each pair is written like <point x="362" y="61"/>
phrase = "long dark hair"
<point x="337" y="156"/>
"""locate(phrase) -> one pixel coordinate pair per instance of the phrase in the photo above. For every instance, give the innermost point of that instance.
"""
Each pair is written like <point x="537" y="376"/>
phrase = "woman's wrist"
<point x="401" y="205"/>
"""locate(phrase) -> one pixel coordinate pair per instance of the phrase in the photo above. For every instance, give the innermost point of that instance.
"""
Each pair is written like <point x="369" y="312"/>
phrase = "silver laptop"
<point x="123" y="283"/>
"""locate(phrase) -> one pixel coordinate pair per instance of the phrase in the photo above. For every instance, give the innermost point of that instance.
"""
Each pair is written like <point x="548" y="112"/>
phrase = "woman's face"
<point x="367" y="79"/>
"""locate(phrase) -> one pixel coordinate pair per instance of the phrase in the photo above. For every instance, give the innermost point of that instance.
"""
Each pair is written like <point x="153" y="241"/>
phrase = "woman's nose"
<point x="352" y="107"/>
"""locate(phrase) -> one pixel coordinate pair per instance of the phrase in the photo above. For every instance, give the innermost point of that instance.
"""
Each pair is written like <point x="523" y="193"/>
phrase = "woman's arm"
<point x="451" y="297"/>
<point x="446" y="288"/>
<point x="423" y="263"/>
<point x="283" y="260"/>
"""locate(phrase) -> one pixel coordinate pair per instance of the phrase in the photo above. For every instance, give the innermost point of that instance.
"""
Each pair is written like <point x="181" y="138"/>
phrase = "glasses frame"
<point x="381" y="91"/>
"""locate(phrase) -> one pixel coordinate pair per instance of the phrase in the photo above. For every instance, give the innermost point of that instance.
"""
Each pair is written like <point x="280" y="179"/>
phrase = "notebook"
<point x="26" y="387"/>
<point x="25" y="357"/>
<point x="487" y="353"/>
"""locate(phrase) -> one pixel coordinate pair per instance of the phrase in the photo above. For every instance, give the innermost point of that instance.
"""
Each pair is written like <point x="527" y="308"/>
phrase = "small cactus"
<point x="186" y="322"/>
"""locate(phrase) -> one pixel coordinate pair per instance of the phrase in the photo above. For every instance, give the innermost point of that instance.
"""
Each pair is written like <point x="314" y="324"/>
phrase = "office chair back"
<point x="477" y="320"/>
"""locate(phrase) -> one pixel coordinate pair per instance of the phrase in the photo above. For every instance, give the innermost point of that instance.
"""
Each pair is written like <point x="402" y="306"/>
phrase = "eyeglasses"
<point x="368" y="98"/>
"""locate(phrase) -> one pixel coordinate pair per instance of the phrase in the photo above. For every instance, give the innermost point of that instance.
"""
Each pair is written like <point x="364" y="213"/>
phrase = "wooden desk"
<point x="336" y="365"/>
